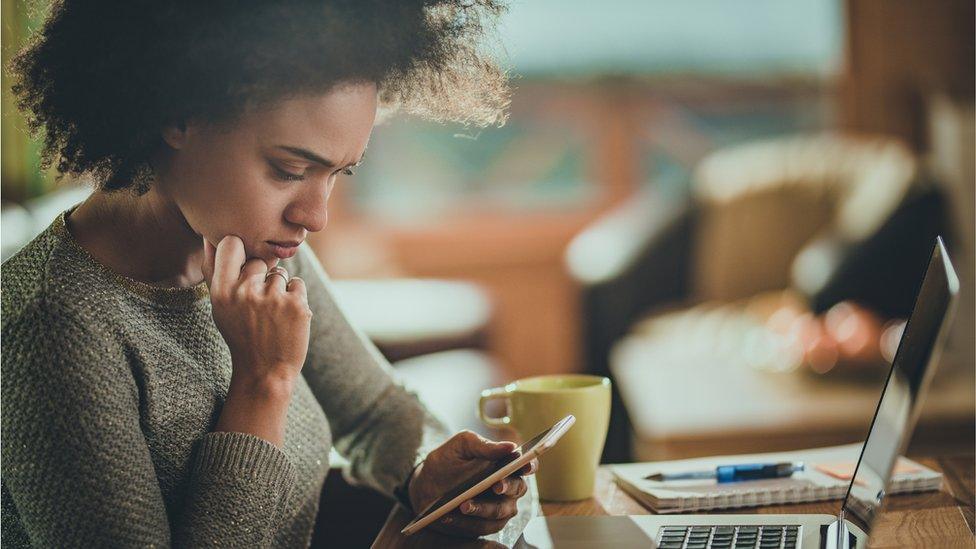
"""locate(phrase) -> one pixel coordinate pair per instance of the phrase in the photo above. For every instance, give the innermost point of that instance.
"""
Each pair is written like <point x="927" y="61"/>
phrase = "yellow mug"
<point x="567" y="472"/>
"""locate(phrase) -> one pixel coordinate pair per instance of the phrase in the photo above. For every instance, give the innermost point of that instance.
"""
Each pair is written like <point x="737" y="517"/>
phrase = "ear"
<point x="175" y="135"/>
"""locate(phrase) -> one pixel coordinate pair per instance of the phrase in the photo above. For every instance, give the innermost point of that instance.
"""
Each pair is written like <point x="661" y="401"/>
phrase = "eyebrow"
<point x="312" y="157"/>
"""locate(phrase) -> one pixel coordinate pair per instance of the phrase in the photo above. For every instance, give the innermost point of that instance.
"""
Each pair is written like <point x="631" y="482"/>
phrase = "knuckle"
<point x="228" y="298"/>
<point x="247" y="294"/>
<point x="239" y="293"/>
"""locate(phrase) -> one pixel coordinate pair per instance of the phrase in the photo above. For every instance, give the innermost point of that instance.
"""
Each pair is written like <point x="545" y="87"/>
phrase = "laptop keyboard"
<point x="728" y="537"/>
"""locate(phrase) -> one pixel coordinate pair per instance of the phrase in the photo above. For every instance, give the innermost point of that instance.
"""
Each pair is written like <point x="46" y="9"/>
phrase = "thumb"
<point x="474" y="446"/>
<point x="209" y="258"/>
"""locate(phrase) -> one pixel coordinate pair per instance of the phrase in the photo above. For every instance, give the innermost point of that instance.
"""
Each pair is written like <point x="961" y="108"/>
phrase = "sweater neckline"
<point x="164" y="295"/>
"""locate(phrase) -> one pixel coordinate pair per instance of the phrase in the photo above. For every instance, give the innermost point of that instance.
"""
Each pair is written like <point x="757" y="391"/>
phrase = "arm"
<point x="264" y="319"/>
<point x="77" y="466"/>
<point x="382" y="429"/>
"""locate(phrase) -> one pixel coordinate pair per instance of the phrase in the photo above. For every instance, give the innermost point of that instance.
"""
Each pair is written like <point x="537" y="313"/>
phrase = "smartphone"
<point x="492" y="473"/>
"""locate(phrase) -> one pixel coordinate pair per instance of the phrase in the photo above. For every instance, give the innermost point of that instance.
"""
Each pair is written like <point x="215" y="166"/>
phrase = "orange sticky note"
<point x="844" y="470"/>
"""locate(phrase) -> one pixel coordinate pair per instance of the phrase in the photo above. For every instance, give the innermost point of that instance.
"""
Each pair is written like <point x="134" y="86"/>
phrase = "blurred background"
<point x="726" y="207"/>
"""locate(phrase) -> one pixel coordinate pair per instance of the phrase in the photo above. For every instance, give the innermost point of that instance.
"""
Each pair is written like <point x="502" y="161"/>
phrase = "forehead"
<point x="335" y="124"/>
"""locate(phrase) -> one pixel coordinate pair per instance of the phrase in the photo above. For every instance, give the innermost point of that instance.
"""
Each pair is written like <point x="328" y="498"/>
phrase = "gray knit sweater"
<point x="111" y="389"/>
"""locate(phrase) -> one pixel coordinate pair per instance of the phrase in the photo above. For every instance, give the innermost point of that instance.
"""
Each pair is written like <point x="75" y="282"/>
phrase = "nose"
<point x="311" y="210"/>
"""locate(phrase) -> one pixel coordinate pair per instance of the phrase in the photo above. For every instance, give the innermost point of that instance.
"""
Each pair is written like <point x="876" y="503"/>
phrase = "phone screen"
<point x="485" y="472"/>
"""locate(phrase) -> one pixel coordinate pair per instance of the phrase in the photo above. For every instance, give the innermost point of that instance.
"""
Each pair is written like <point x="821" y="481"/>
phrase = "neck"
<point x="145" y="238"/>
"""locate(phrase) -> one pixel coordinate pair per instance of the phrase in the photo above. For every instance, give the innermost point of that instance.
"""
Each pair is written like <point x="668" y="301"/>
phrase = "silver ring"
<point x="277" y="271"/>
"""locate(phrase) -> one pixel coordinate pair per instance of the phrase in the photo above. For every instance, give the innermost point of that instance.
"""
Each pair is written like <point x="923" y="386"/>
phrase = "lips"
<point x="284" y="250"/>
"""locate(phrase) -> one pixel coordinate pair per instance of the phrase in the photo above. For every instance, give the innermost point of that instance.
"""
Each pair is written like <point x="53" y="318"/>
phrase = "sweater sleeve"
<point x="77" y="466"/>
<point x="381" y="428"/>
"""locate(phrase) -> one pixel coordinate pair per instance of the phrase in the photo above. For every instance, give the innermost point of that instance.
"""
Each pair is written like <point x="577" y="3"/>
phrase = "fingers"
<point x="296" y="286"/>
<point x="228" y="260"/>
<point x="512" y="486"/>
<point x="471" y="526"/>
<point x="529" y="468"/>
<point x="470" y="445"/>
<point x="209" y="253"/>
<point x="276" y="280"/>
<point x="254" y="270"/>
<point x="493" y="509"/>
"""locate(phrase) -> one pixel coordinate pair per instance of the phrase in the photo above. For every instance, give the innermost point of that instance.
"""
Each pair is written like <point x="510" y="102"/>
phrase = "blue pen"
<point x="736" y="473"/>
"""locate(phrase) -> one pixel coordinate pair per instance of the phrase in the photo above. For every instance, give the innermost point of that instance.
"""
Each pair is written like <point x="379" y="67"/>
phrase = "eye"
<point x="285" y="175"/>
<point x="348" y="171"/>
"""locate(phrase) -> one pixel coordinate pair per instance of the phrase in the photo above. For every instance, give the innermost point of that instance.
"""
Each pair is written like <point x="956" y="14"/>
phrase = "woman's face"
<point x="267" y="176"/>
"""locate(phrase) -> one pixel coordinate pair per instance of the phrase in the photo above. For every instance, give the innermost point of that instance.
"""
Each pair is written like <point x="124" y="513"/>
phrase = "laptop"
<point x="894" y="420"/>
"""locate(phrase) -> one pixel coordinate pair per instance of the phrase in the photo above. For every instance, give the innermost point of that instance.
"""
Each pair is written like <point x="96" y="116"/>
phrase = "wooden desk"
<point x="934" y="519"/>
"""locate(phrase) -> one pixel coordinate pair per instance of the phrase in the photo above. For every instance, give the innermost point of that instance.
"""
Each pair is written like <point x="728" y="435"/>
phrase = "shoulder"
<point x="52" y="278"/>
<point x="48" y="310"/>
<point x="24" y="275"/>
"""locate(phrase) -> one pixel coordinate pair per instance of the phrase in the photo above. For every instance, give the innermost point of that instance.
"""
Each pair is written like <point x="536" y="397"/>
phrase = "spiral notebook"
<point x="826" y="476"/>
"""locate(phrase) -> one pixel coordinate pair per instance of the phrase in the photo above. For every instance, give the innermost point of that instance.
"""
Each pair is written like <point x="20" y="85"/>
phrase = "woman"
<point x="175" y="369"/>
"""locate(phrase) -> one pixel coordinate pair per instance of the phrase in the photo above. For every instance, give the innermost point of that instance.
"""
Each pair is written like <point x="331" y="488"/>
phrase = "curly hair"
<point x="101" y="79"/>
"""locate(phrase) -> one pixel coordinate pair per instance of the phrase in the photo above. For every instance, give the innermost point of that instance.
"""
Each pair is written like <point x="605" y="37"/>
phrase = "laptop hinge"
<point x="836" y="535"/>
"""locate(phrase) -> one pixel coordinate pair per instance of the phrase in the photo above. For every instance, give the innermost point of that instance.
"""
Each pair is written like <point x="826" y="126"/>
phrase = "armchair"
<point x="831" y="217"/>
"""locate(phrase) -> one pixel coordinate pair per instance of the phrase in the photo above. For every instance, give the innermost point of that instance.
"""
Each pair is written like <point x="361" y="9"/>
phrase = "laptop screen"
<point x="898" y="408"/>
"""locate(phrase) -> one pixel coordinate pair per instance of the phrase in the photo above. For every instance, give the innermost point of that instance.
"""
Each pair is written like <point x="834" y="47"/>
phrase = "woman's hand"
<point x="454" y="462"/>
<point x="263" y="316"/>
<point x="265" y="319"/>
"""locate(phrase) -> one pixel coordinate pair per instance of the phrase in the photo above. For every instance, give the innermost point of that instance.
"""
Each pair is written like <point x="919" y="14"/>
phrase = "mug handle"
<point x="492" y="394"/>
